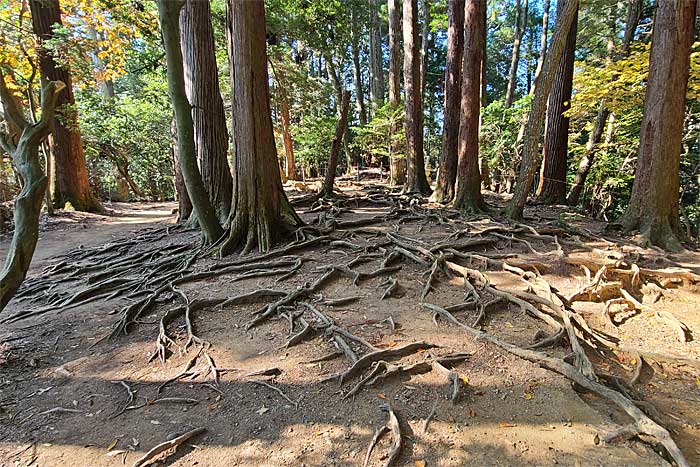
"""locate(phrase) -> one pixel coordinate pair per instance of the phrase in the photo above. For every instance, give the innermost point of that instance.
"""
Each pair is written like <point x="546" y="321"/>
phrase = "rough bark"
<point x="70" y="179"/>
<point x="552" y="184"/>
<point x="520" y="22"/>
<point x="468" y="187"/>
<point x="543" y="38"/>
<point x="184" y="204"/>
<point x="426" y="46"/>
<point x="653" y="207"/>
<point x="376" y="67"/>
<point x="25" y="157"/>
<point x="533" y="126"/>
<point x="447" y="169"/>
<point x="169" y="14"/>
<point x="357" y="71"/>
<point x="260" y="213"/>
<point x="397" y="165"/>
<point x="634" y="11"/>
<point x="202" y="87"/>
<point x="335" y="145"/>
<point x="483" y="159"/>
<point x="416" y="181"/>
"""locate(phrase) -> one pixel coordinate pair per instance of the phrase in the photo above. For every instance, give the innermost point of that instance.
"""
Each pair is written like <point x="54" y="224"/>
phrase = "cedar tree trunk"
<point x="520" y="22"/>
<point x="397" y="164"/>
<point x="327" y="190"/>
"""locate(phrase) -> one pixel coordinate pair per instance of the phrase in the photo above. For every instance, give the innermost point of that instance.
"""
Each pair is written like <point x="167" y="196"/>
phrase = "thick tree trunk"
<point x="520" y="23"/>
<point x="552" y="185"/>
<point x="416" y="181"/>
<point x="532" y="129"/>
<point x="483" y="159"/>
<point x="426" y="46"/>
<point x="376" y="66"/>
<point x="169" y="14"/>
<point x="357" y="71"/>
<point x="202" y="87"/>
<point x="183" y="199"/>
<point x="261" y="213"/>
<point x="327" y="190"/>
<point x="543" y="38"/>
<point x="634" y="11"/>
<point x="70" y="179"/>
<point x="447" y="170"/>
<point x="653" y="207"/>
<point x="25" y="157"/>
<point x="397" y="164"/>
<point x="468" y="187"/>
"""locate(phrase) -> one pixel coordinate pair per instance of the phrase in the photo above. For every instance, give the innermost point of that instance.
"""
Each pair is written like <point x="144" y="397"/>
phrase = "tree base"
<point x="651" y="231"/>
<point x="471" y="206"/>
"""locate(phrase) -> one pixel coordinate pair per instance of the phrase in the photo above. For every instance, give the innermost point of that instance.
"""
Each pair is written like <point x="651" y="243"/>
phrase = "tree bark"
<point x="653" y="207"/>
<point x="202" y="87"/>
<point x="376" y="67"/>
<point x="291" y="172"/>
<point x="468" y="187"/>
<point x="327" y="190"/>
<point x="541" y="88"/>
<point x="183" y="199"/>
<point x="447" y="169"/>
<point x="483" y="159"/>
<point x="426" y="46"/>
<point x="357" y="71"/>
<point x="543" y="38"/>
<point x="416" y="181"/>
<point x="634" y="10"/>
<point x="25" y="157"/>
<point x="70" y="179"/>
<point x="397" y="164"/>
<point x="169" y="14"/>
<point x="520" y="22"/>
<point x="261" y="213"/>
<point x="552" y="185"/>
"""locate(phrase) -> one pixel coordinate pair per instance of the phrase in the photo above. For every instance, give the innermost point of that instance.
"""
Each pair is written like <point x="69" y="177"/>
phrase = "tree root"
<point x="392" y="424"/>
<point x="385" y="354"/>
<point x="163" y="447"/>
<point x="278" y="391"/>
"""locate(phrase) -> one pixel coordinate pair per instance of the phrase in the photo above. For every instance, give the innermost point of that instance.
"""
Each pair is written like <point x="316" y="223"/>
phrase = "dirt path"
<point x="61" y="391"/>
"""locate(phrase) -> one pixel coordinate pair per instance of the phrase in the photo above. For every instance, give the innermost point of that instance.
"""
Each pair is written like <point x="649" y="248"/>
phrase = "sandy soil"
<point x="510" y="412"/>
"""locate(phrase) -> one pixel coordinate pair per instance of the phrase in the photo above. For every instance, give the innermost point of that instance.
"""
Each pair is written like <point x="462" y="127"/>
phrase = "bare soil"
<point x="60" y="377"/>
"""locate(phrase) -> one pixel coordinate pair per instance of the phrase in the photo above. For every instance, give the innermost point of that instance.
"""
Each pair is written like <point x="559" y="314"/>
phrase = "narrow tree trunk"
<point x="397" y="164"/>
<point x="535" y="117"/>
<point x="634" y="10"/>
<point x="291" y="171"/>
<point x="183" y="199"/>
<point x="447" y="170"/>
<point x="520" y="22"/>
<point x="543" y="38"/>
<point x="71" y="183"/>
<point x="552" y="186"/>
<point x="327" y="190"/>
<point x="357" y="71"/>
<point x="169" y="14"/>
<point x="468" y="187"/>
<point x="483" y="159"/>
<point x="416" y="181"/>
<point x="426" y="46"/>
<point x="375" y="56"/>
<point x="202" y="87"/>
<point x="25" y="157"/>
<point x="653" y="207"/>
<point x="261" y="213"/>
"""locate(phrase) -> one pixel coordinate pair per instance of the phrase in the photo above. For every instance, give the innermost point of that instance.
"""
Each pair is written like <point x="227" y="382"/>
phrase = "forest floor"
<point x="73" y="392"/>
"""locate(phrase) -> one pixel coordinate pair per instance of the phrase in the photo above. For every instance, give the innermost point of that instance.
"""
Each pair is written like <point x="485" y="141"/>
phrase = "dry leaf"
<point x="465" y="379"/>
<point x="381" y="396"/>
<point x="527" y="396"/>
<point x="420" y="463"/>
<point x="112" y="445"/>
<point x="506" y="424"/>
<point x="472" y="413"/>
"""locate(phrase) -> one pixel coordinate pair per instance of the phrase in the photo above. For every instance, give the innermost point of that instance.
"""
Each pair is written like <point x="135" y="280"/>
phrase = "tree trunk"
<point x="357" y="70"/>
<point x="483" y="159"/>
<point x="447" y="170"/>
<point x="291" y="171"/>
<point x="468" y="187"/>
<point x="397" y="164"/>
<point x="552" y="186"/>
<point x="183" y="199"/>
<point x="543" y="38"/>
<point x="327" y="190"/>
<point x="416" y="181"/>
<point x="70" y="179"/>
<point x="541" y="88"/>
<point x="376" y="67"/>
<point x="202" y="87"/>
<point x="261" y="213"/>
<point x="169" y="14"/>
<point x="653" y="207"/>
<point x="25" y="157"/>
<point x="426" y="45"/>
<point x="520" y="22"/>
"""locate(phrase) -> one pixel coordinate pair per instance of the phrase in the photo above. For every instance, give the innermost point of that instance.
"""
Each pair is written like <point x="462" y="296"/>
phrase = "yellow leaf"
<point x="420" y="463"/>
<point x="633" y="361"/>
<point x="112" y="445"/>
<point x="465" y="379"/>
<point x="527" y="396"/>
<point x="506" y="425"/>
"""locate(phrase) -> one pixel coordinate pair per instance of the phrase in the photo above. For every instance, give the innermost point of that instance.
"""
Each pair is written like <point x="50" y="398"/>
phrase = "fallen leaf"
<point x="112" y="445"/>
<point x="506" y="424"/>
<point x="465" y="379"/>
<point x="633" y="361"/>
<point x="391" y="344"/>
<point x="420" y="463"/>
<point x="527" y="396"/>
<point x="472" y="413"/>
<point x="381" y="396"/>
<point x="262" y="410"/>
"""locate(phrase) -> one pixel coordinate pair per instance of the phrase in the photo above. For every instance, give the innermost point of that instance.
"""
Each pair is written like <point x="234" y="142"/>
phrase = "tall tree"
<point x="552" y="185"/>
<point x="70" y="183"/>
<point x="23" y="147"/>
<point x="329" y="180"/>
<point x="468" y="187"/>
<point x="533" y="125"/>
<point x="447" y="170"/>
<point x="397" y="164"/>
<point x="426" y="45"/>
<point x="290" y="166"/>
<point x="543" y="37"/>
<point x="634" y="11"/>
<point x="169" y="15"/>
<point x="357" y="68"/>
<point x="653" y="207"/>
<point x="203" y="94"/>
<point x="416" y="181"/>
<point x="520" y="23"/>
<point x="260" y="212"/>
<point x="376" y="67"/>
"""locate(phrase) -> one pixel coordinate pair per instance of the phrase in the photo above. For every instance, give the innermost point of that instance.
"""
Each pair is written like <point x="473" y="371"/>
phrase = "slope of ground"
<point x="71" y="395"/>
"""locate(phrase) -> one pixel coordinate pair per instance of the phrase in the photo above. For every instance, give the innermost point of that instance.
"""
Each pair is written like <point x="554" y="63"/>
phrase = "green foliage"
<point x="384" y="132"/>
<point x="314" y="137"/>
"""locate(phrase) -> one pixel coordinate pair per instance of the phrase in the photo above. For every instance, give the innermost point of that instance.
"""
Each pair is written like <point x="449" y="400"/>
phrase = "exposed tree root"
<point x="166" y="446"/>
<point x="391" y="425"/>
<point x="385" y="354"/>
